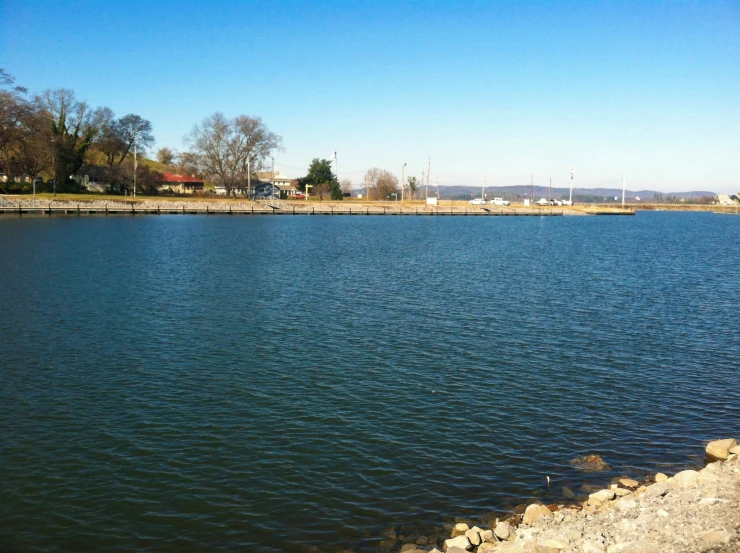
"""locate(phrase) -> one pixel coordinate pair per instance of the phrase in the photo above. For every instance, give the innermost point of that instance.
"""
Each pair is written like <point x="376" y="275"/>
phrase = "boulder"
<point x="422" y="540"/>
<point x="629" y="483"/>
<point x="600" y="497"/>
<point x="409" y="547"/>
<point x="660" y="477"/>
<point x="459" y="529"/>
<point x="487" y="535"/>
<point x="656" y="490"/>
<point x="486" y="547"/>
<point x="720" y="449"/>
<point x="626" y="504"/>
<point x="535" y="511"/>
<point x="717" y="536"/>
<point x="455" y="549"/>
<point x="621" y="492"/>
<point x="685" y="479"/>
<point x="734" y="450"/>
<point x="503" y="530"/>
<point x="568" y="493"/>
<point x="459" y="541"/>
<point x="473" y="536"/>
<point x="590" y="463"/>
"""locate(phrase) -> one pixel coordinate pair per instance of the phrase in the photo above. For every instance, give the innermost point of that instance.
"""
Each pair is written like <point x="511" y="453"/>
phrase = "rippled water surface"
<point x="187" y="383"/>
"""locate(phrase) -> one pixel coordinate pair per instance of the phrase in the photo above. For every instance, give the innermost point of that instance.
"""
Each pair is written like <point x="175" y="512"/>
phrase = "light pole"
<point x="403" y="169"/>
<point x="53" y="167"/>
<point x="570" y="197"/>
<point x="134" y="169"/>
<point x="272" y="177"/>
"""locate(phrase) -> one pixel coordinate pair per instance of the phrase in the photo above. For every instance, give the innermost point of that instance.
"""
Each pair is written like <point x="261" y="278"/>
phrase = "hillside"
<point x="579" y="194"/>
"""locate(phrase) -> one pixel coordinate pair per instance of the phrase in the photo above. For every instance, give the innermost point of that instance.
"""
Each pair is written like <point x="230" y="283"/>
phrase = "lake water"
<point x="188" y="383"/>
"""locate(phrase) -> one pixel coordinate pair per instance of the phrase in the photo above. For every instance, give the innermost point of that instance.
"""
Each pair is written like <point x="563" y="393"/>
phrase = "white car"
<point x="500" y="201"/>
<point x="542" y="201"/>
<point x="477" y="201"/>
<point x="567" y="202"/>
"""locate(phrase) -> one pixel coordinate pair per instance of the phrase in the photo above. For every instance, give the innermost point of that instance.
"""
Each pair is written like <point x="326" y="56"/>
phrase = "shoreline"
<point x="693" y="511"/>
<point x="24" y="206"/>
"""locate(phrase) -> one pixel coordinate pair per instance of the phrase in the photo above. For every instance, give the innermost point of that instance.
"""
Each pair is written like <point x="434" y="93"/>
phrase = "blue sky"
<point x="649" y="91"/>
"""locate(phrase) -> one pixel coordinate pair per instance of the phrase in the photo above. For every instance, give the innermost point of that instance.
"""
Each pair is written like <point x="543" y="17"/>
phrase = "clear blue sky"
<point x="645" y="90"/>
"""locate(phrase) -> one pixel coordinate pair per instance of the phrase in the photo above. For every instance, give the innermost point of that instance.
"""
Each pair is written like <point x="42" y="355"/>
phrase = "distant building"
<point x="180" y="184"/>
<point x="274" y="186"/>
<point x="726" y="199"/>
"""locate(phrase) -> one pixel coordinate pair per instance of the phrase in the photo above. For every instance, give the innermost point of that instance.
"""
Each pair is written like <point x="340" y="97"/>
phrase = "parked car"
<point x="500" y="201"/>
<point x="542" y="202"/>
<point x="477" y="201"/>
<point x="556" y="202"/>
<point x="567" y="202"/>
<point x="300" y="196"/>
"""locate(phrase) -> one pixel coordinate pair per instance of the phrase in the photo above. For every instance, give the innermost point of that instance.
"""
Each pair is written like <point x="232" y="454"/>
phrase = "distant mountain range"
<point x="579" y="194"/>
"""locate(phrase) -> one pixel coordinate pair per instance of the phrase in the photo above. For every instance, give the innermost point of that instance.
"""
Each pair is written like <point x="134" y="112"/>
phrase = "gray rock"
<point x="455" y="549"/>
<point x="600" y="497"/>
<point x="685" y="479"/>
<point x="535" y="511"/>
<point x="720" y="449"/>
<point x="629" y="483"/>
<point x="486" y="547"/>
<point x="656" y="490"/>
<point x="568" y="493"/>
<point x="717" y="536"/>
<point x="459" y="541"/>
<point x="503" y="530"/>
<point x="459" y="529"/>
<point x="487" y="535"/>
<point x="473" y="536"/>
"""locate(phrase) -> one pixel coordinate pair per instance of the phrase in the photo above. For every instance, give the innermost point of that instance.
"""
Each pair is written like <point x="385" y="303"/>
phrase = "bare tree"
<point x="165" y="156"/>
<point x="346" y="186"/>
<point x="381" y="184"/>
<point x="188" y="163"/>
<point x="228" y="149"/>
<point x="13" y="108"/>
<point x="72" y="129"/>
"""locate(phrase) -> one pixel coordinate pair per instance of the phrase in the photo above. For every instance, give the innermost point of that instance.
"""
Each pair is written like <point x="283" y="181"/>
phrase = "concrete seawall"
<point x="152" y="207"/>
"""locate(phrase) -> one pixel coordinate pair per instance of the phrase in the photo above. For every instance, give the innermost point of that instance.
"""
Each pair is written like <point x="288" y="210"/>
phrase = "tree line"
<point x="55" y="133"/>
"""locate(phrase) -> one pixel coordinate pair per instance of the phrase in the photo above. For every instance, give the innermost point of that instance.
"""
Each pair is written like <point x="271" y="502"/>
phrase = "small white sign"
<point x="432" y="201"/>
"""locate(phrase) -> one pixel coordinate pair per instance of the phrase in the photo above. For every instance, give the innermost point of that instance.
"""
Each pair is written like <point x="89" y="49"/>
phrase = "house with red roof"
<point x="180" y="184"/>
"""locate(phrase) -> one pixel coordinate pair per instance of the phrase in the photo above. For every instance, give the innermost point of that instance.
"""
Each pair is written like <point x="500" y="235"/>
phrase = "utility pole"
<point x="624" y="183"/>
<point x="570" y="197"/>
<point x="531" y="186"/>
<point x="549" y="192"/>
<point x="249" y="177"/>
<point x="422" y="178"/>
<point x="403" y="169"/>
<point x="438" y="196"/>
<point x="483" y="190"/>
<point x="53" y="166"/>
<point x="429" y="169"/>
<point x="134" y="168"/>
<point x="272" y="177"/>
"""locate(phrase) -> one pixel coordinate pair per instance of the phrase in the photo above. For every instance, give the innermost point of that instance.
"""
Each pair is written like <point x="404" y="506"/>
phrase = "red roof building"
<point x="180" y="184"/>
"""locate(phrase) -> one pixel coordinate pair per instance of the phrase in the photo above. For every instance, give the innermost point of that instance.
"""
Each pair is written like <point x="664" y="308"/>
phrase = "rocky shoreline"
<point x="690" y="512"/>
